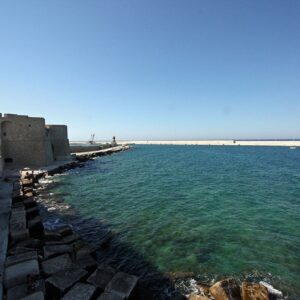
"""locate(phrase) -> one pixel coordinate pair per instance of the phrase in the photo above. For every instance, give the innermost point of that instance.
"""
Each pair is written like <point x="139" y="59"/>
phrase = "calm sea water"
<point x="213" y="211"/>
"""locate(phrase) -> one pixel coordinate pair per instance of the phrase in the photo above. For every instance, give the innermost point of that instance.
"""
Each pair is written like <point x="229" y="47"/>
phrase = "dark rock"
<point x="86" y="262"/>
<point x="58" y="263"/>
<point x="54" y="250"/>
<point x="17" y="274"/>
<point x="65" y="230"/>
<point x="58" y="284"/>
<point x="110" y="296"/>
<point x="17" y="258"/>
<point x="81" y="291"/>
<point x="34" y="296"/>
<point x="122" y="284"/>
<point x="65" y="240"/>
<point x="29" y="203"/>
<point x="51" y="235"/>
<point x="18" y="234"/>
<point x="36" y="227"/>
<point x="21" y="290"/>
<point x="102" y="276"/>
<point x="32" y="212"/>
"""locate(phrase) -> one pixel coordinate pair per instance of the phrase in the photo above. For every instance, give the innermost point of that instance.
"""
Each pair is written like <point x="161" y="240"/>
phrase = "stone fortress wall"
<point x="27" y="141"/>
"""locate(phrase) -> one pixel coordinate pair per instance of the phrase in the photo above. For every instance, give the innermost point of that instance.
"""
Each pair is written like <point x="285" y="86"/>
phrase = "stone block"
<point x="102" y="276"/>
<point x="58" y="284"/>
<point x="31" y="243"/>
<point x="17" y="274"/>
<point x="32" y="212"/>
<point x="122" y="284"/>
<point x="17" y="235"/>
<point x="65" y="230"/>
<point x="29" y="203"/>
<point x="56" y="264"/>
<point x="36" y="227"/>
<point x="18" y="258"/>
<point x="65" y="240"/>
<point x="34" y="296"/>
<point x="55" y="250"/>
<point x="21" y="290"/>
<point x="86" y="262"/>
<point x="227" y="289"/>
<point x="197" y="297"/>
<point x="110" y="296"/>
<point x="80" y="291"/>
<point x="18" y="216"/>
<point x="254" y="291"/>
<point x="51" y="235"/>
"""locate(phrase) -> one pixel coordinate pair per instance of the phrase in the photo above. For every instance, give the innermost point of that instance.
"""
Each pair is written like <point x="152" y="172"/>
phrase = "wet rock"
<point x="29" y="203"/>
<point x="18" y="258"/>
<point x="34" y="296"/>
<point x="81" y="291"/>
<point x="58" y="263"/>
<point x="58" y="284"/>
<point x="65" y="230"/>
<point x="102" y="276"/>
<point x="123" y="285"/>
<point x="273" y="293"/>
<point x="254" y="291"/>
<point x="55" y="250"/>
<point x="32" y="212"/>
<point x="51" y="235"/>
<point x="227" y="289"/>
<point x="17" y="274"/>
<point x="36" y="227"/>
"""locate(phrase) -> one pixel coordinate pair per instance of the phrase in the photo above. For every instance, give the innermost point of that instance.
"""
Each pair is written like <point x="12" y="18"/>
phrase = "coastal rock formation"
<point x="254" y="291"/>
<point x="227" y="289"/>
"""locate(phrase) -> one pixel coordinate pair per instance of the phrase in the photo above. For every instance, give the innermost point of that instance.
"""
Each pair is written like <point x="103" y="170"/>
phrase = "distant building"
<point x="114" y="142"/>
<point x="27" y="141"/>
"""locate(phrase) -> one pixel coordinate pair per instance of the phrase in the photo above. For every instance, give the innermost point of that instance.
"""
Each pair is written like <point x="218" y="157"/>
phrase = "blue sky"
<point x="154" y="69"/>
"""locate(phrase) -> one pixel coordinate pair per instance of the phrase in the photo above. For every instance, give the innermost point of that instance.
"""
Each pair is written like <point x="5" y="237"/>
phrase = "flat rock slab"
<point x="102" y="276"/>
<point x="51" y="235"/>
<point x="110" y="296"/>
<point x="56" y="264"/>
<point x="122" y="284"/>
<point x="65" y="240"/>
<point x="34" y="296"/>
<point x="20" y="234"/>
<point x="18" y="258"/>
<point x="80" y="291"/>
<point x="20" y="291"/>
<point x="54" y="250"/>
<point x="17" y="274"/>
<point x="58" y="284"/>
<point x="86" y="262"/>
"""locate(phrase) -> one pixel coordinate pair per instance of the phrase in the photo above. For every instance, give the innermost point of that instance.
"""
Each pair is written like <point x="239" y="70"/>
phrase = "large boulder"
<point x="227" y="289"/>
<point x="254" y="291"/>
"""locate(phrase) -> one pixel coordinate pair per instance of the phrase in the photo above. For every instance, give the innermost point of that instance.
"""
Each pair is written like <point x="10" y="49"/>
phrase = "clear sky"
<point x="155" y="69"/>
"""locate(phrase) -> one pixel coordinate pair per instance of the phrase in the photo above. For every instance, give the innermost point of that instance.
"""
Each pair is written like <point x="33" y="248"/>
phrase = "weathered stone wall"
<point x="59" y="142"/>
<point x="24" y="141"/>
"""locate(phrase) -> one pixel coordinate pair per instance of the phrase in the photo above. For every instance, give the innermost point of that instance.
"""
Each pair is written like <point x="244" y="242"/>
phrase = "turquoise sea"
<point x="212" y="211"/>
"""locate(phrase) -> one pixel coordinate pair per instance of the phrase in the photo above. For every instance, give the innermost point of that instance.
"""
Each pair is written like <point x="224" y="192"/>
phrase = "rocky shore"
<point x="60" y="264"/>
